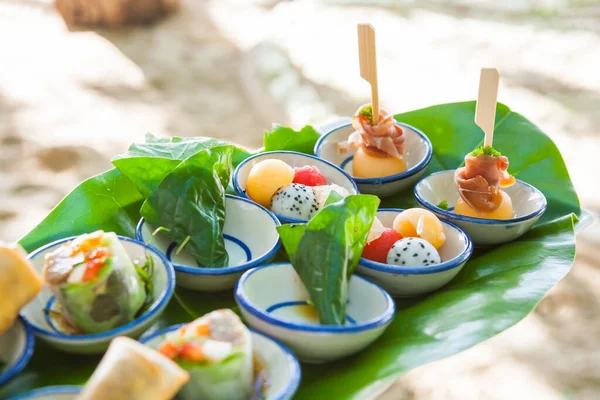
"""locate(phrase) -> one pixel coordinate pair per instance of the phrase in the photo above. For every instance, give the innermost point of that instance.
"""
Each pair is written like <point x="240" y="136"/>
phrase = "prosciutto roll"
<point x="95" y="282"/>
<point x="386" y="137"/>
<point x="216" y="350"/>
<point x="480" y="180"/>
<point x="129" y="370"/>
<point x="19" y="283"/>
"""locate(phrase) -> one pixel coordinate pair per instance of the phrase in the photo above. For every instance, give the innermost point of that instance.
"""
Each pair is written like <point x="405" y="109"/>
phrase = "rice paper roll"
<point x="129" y="370"/>
<point x="95" y="282"/>
<point x="19" y="283"/>
<point x="216" y="350"/>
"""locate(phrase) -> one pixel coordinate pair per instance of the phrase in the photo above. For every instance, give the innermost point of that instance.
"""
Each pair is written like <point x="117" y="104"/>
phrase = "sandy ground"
<point x="69" y="101"/>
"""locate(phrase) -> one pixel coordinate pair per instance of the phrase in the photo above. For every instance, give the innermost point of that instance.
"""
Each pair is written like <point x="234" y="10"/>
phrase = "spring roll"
<point x="129" y="370"/>
<point x="216" y="350"/>
<point x="19" y="283"/>
<point x="95" y="282"/>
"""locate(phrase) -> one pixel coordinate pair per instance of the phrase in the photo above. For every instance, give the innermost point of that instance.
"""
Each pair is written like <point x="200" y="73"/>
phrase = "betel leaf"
<point x="325" y="252"/>
<point x="495" y="290"/>
<point x="283" y="138"/>
<point x="146" y="164"/>
<point x="190" y="204"/>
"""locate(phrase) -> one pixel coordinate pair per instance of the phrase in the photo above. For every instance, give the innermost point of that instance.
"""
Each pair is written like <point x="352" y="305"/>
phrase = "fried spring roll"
<point x="129" y="370"/>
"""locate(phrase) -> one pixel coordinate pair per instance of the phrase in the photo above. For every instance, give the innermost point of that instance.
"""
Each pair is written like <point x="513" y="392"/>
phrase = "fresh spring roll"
<point x="95" y="282"/>
<point x="216" y="350"/>
<point x="19" y="283"/>
<point x="129" y="370"/>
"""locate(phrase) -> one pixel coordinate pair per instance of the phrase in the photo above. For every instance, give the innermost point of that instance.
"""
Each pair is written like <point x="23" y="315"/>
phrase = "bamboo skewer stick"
<point x="485" y="110"/>
<point x="368" y="64"/>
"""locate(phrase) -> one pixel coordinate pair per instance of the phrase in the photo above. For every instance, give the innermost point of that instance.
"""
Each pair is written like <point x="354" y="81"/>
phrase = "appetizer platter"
<point x="352" y="253"/>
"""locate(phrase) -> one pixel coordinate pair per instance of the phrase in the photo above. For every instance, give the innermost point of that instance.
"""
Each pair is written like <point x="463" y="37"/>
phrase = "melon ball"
<point x="420" y="223"/>
<point x="366" y="165"/>
<point x="505" y="211"/>
<point x="265" y="178"/>
<point x="413" y="252"/>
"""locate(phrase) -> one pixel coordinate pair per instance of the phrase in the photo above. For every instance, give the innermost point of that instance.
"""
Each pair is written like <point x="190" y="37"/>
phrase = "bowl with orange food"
<point x="294" y="186"/>
<point x="383" y="158"/>
<point x="412" y="252"/>
<point x="483" y="199"/>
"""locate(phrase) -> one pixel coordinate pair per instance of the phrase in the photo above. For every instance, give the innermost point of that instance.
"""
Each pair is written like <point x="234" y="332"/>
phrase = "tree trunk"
<point x="113" y="12"/>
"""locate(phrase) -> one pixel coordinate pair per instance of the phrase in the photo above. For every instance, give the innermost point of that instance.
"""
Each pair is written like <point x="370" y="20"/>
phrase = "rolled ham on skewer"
<point x="130" y="370"/>
<point x="386" y="137"/>
<point x="480" y="180"/>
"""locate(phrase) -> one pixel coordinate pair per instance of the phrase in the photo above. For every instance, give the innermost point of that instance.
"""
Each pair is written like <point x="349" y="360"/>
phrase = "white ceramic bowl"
<point x="46" y="330"/>
<point x="50" y="393"/>
<point x="283" y="369"/>
<point x="16" y="349"/>
<point x="332" y="173"/>
<point x="418" y="150"/>
<point x="529" y="204"/>
<point x="415" y="281"/>
<point x="251" y="239"/>
<point x="273" y="300"/>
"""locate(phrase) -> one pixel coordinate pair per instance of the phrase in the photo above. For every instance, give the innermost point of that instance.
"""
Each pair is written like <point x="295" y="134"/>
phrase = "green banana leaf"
<point x="495" y="290"/>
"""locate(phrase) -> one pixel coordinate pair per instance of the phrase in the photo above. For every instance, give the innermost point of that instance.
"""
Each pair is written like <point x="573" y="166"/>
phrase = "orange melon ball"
<point x="367" y="165"/>
<point x="420" y="223"/>
<point x="265" y="178"/>
<point x="505" y="211"/>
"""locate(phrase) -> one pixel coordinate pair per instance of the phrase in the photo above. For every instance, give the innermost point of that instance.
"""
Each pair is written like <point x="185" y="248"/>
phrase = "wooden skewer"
<point x="368" y="64"/>
<point x="485" y="110"/>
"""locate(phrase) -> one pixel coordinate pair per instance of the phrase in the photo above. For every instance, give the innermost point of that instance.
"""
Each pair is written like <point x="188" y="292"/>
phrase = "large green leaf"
<point x="495" y="290"/>
<point x="325" y="251"/>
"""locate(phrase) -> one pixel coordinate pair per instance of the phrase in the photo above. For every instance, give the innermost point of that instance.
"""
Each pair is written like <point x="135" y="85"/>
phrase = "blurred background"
<point x="73" y="97"/>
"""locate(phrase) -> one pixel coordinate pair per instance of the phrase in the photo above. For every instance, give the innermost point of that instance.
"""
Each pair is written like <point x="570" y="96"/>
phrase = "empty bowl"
<point x="332" y="173"/>
<point x="49" y="330"/>
<point x="418" y="151"/>
<point x="402" y="281"/>
<point x="273" y="300"/>
<point x="528" y="202"/>
<point x="251" y="239"/>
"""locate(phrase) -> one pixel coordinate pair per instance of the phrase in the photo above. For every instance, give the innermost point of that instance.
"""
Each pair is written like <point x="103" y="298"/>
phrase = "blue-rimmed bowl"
<point x="282" y="367"/>
<point x="50" y="393"/>
<point x="529" y="204"/>
<point x="273" y="300"/>
<point x="418" y="151"/>
<point x="49" y="330"/>
<point x="251" y="239"/>
<point x="16" y="349"/>
<point x="332" y="173"/>
<point x="415" y="281"/>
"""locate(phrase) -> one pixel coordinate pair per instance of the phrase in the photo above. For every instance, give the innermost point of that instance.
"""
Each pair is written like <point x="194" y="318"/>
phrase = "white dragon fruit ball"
<point x="413" y="252"/>
<point x="294" y="201"/>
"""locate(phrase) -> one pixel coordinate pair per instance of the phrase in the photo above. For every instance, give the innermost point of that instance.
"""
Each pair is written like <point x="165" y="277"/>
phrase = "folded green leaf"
<point x="190" y="203"/>
<point x="326" y="250"/>
<point x="283" y="138"/>
<point x="147" y="164"/>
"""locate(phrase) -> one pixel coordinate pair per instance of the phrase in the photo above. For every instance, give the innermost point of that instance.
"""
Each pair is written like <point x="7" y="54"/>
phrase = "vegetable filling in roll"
<point x="95" y="282"/>
<point x="217" y="352"/>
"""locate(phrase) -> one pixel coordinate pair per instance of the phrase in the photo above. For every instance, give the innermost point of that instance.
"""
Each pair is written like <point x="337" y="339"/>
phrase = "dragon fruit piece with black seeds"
<point x="413" y="252"/>
<point x="295" y="201"/>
